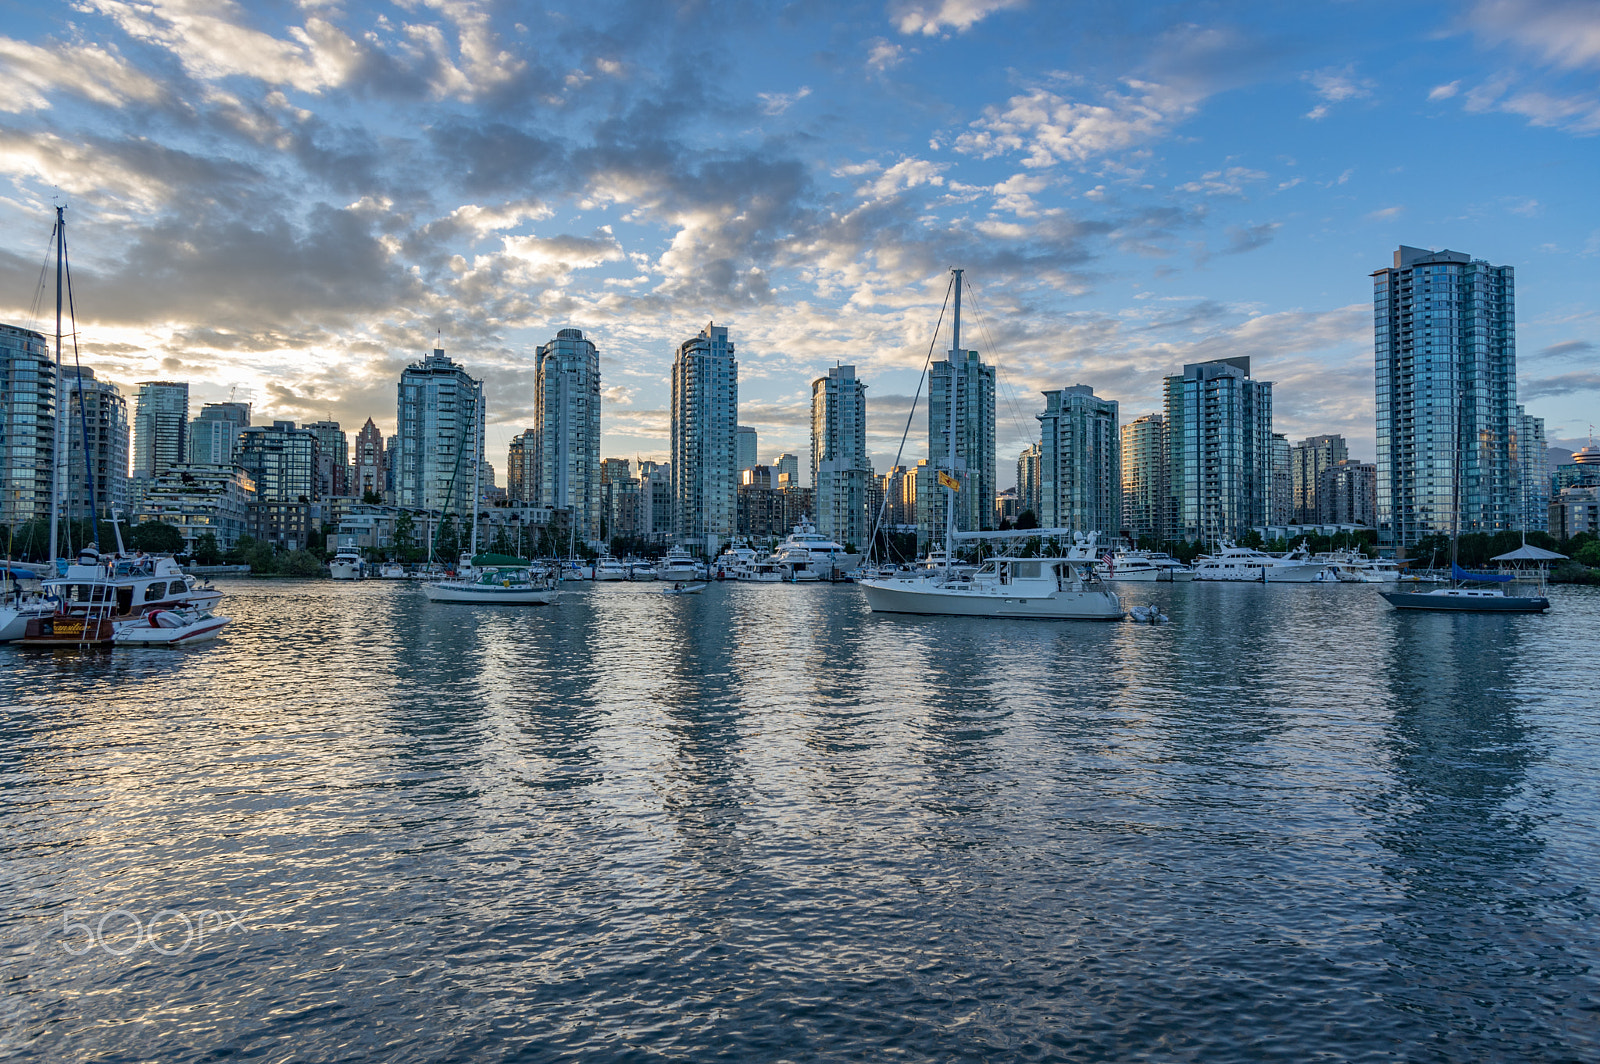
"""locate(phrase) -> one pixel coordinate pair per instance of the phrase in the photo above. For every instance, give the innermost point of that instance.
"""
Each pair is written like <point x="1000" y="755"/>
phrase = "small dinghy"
<point x="1147" y="615"/>
<point x="684" y="589"/>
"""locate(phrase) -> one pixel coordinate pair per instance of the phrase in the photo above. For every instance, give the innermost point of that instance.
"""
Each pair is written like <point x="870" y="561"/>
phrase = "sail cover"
<point x="1458" y="573"/>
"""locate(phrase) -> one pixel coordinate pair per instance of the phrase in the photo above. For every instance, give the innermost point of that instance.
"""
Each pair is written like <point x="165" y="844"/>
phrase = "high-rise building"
<point x="961" y="426"/>
<point x="438" y="438"/>
<point x="27" y="426"/>
<point x="1028" y="480"/>
<point x="655" y="500"/>
<point x="1219" y="449"/>
<point x="96" y="411"/>
<point x="1348" y="494"/>
<point x="705" y="414"/>
<point x="786" y="463"/>
<point x="333" y="459"/>
<point x="1145" y="493"/>
<point x="1532" y="459"/>
<point x="214" y="435"/>
<point x="367" y="465"/>
<point x="1446" y="358"/>
<point x="566" y="404"/>
<point x="747" y="447"/>
<point x="900" y="494"/>
<point x="282" y="460"/>
<point x="160" y="427"/>
<point x="1308" y="460"/>
<point x="1280" y="490"/>
<point x="839" y="464"/>
<point x="1080" y="462"/>
<point x="522" y="467"/>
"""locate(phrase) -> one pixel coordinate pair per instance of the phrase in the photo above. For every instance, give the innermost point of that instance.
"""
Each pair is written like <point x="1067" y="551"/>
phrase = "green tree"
<point x="300" y="563"/>
<point x="372" y="498"/>
<point x="1589" y="554"/>
<point x="1027" y="519"/>
<point x="502" y="542"/>
<point x="156" y="537"/>
<point x="206" y="551"/>
<point x="447" y="541"/>
<point x="405" y="535"/>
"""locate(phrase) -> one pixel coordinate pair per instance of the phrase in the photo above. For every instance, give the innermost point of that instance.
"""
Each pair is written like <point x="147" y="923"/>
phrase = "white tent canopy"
<point x="1525" y="553"/>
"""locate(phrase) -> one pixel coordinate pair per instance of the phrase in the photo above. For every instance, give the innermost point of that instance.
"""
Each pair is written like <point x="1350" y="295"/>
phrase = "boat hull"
<point x="344" y="570"/>
<point x="68" y="631"/>
<point x="1424" y="600"/>
<point x="490" y="596"/>
<point x="143" y="634"/>
<point x="906" y="596"/>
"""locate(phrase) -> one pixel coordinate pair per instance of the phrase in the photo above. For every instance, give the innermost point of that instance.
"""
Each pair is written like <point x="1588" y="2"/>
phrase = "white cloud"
<point x="907" y="173"/>
<point x="1051" y="128"/>
<point x="1229" y="182"/>
<point x="30" y="73"/>
<point x="931" y="17"/>
<point x="775" y="103"/>
<point x="1565" y="33"/>
<point x="1335" y="85"/>
<point x="884" y="54"/>
<point x="1444" y="92"/>
<point x="1385" y="214"/>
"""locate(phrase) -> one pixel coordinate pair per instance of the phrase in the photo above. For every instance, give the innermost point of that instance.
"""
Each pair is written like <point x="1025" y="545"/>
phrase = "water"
<point x="765" y="824"/>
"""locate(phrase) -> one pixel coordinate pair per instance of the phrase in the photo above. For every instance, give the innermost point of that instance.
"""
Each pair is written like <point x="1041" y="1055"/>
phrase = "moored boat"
<point x="495" y="580"/>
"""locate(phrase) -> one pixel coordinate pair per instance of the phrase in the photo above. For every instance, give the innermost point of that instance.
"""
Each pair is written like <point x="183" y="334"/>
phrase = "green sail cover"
<point x="480" y="561"/>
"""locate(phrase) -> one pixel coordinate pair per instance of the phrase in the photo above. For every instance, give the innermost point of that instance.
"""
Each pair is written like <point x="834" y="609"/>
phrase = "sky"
<point x="291" y="201"/>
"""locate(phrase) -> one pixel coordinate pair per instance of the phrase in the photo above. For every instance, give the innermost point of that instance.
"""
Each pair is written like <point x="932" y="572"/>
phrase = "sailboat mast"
<point x="950" y="426"/>
<point x="61" y="404"/>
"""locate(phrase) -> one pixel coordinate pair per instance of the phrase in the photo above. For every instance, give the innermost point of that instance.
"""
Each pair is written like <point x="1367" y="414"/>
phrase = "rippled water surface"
<point x="765" y="824"/>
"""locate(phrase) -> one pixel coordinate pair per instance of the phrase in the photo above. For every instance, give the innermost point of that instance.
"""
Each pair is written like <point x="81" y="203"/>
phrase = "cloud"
<point x="1567" y="349"/>
<point x="905" y="174"/>
<point x="883" y="54"/>
<point x="931" y="17"/>
<point x="1384" y="214"/>
<point x="775" y="103"/>
<point x="1563" y="33"/>
<point x="1444" y="92"/>
<point x="31" y="73"/>
<point x="1335" y="85"/>
<point x="1050" y="128"/>
<point x="1229" y="182"/>
<point x="1551" y="387"/>
<point x="1249" y="237"/>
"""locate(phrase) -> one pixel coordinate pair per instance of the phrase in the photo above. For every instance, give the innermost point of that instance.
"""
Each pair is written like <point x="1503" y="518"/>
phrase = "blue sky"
<point x="296" y="198"/>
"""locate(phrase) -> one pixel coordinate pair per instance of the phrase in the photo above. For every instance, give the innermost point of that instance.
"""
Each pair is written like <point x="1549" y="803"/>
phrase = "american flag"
<point x="1111" y="564"/>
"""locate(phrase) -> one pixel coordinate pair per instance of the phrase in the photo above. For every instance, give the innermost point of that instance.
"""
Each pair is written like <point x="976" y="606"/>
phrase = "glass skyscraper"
<point x="28" y="427"/>
<point x="439" y="436"/>
<point x="1080" y="461"/>
<point x="1444" y="340"/>
<point x="705" y="446"/>
<point x="1219" y="449"/>
<point x="840" y="468"/>
<point x="566" y="401"/>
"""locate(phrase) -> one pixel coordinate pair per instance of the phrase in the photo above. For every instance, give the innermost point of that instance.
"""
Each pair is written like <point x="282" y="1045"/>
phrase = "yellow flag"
<point x="948" y="481"/>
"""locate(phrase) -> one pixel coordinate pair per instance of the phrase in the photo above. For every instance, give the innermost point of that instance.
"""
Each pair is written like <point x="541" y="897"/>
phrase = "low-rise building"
<point x="1575" y="510"/>
<point x="196" y="499"/>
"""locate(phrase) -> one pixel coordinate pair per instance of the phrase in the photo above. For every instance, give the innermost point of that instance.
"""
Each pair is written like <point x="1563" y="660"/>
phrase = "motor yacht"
<point x="99" y="591"/>
<point x="826" y="556"/>
<point x="1142" y="565"/>
<point x="1045" y="588"/>
<point x="608" y="568"/>
<point x="1233" y="563"/>
<point x="678" y="564"/>
<point x="346" y="564"/>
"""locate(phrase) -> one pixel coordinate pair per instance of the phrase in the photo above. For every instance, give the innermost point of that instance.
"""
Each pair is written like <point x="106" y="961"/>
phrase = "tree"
<point x="1589" y="554"/>
<point x="405" y="535"/>
<point x="206" y="550"/>
<point x="447" y="541"/>
<point x="300" y="563"/>
<point x="156" y="537"/>
<point x="1027" y="519"/>
<point x="372" y="498"/>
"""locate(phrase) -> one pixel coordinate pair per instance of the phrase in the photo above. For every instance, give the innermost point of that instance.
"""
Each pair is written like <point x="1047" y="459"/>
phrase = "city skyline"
<point x="303" y="208"/>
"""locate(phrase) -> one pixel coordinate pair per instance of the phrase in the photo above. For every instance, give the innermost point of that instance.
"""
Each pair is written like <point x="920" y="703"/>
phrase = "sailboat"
<point x="1471" y="592"/>
<point x="1056" y="588"/>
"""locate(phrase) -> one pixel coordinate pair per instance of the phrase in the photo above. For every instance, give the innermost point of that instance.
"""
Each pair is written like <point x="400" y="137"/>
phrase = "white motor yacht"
<point x="641" y="571"/>
<point x="1236" y="564"/>
<point x="346" y="564"/>
<point x="678" y="564"/>
<point x="18" y="604"/>
<point x="800" y="566"/>
<point x="826" y="556"/>
<point x="608" y="568"/>
<point x="1142" y="565"/>
<point x="100" y="591"/>
<point x="1046" y="588"/>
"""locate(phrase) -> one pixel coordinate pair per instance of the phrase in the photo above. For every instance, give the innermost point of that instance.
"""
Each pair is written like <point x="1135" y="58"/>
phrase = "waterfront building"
<point x="438" y="438"/>
<point x="1028" y="480"/>
<point x="787" y="463"/>
<point x="1144" y="478"/>
<point x="747" y="448"/>
<point x="285" y="524"/>
<point x="522" y="468"/>
<point x="282" y="460"/>
<point x="619" y="498"/>
<point x="391" y="451"/>
<point x="160" y="427"/>
<point x="799" y="503"/>
<point x="1308" y="460"/>
<point x="1347" y="495"/>
<point x="1080" y="461"/>
<point x="97" y="411"/>
<point x="28" y="429"/>
<point x="961" y="432"/>
<point x="1219" y="449"/>
<point x="214" y="435"/>
<point x="333" y="459"/>
<point x="1445" y="349"/>
<point x="1574" y="475"/>
<point x="1005" y="506"/>
<point x="655" y="500"/>
<point x="760" y="504"/>
<point x="840" y="468"/>
<point x="196" y="498"/>
<point x="1532" y="458"/>
<point x="1280" y="493"/>
<point x="1574" y="510"/>
<point x="900" y="494"/>
<point x="367" y="466"/>
<point x="566" y="402"/>
<point x="705" y="412"/>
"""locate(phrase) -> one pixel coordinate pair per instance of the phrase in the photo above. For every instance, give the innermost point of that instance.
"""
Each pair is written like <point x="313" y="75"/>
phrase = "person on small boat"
<point x="678" y="586"/>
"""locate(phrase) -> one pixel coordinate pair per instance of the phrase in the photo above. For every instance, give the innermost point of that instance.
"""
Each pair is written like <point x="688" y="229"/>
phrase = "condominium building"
<point x="1308" y="460"/>
<point x="367" y="464"/>
<point x="1219" y="449"/>
<point x="1280" y="490"/>
<point x="1348" y="495"/>
<point x="214" y="435"/>
<point x="566" y="402"/>
<point x="281" y="460"/>
<point x="961" y="433"/>
<point x="1445" y="348"/>
<point x="198" y="498"/>
<point x="655" y="500"/>
<point x="1028" y="480"/>
<point x="160" y="427"/>
<point x="333" y="459"/>
<point x="748" y="447"/>
<point x="522" y="467"/>
<point x="840" y="468"/>
<point x="1532" y="459"/>
<point x="438" y="440"/>
<point x="97" y="414"/>
<point x="900" y="499"/>
<point x="1145" y="493"/>
<point x="1080" y="461"/>
<point x="27" y="426"/>
<point x="786" y="463"/>
<point x="705" y="414"/>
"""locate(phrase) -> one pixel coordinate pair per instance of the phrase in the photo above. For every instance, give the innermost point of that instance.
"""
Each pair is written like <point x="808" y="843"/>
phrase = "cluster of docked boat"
<point x="120" y="599"/>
